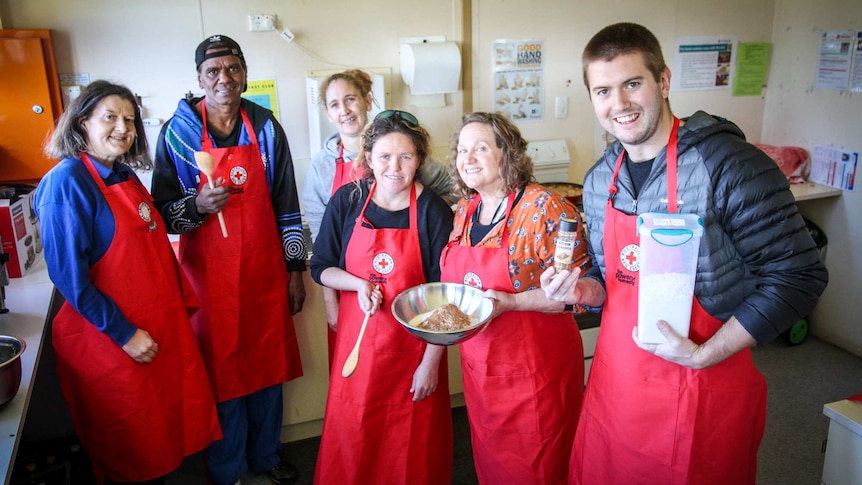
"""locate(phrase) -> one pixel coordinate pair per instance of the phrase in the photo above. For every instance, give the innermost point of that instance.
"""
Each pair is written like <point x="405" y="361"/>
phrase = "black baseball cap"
<point x="229" y="48"/>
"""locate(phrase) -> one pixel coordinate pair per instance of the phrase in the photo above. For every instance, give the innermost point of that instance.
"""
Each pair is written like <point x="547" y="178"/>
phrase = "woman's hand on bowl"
<point x="502" y="301"/>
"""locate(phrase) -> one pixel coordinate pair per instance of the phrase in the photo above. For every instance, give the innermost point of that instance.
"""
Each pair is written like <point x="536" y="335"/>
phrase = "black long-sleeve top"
<point x="434" y="220"/>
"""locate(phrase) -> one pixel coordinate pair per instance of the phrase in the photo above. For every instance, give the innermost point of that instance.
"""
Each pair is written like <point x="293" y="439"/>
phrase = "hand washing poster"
<point x="519" y="79"/>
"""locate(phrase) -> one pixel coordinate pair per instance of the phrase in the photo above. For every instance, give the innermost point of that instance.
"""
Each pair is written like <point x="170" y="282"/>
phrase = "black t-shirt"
<point x="479" y="231"/>
<point x="639" y="172"/>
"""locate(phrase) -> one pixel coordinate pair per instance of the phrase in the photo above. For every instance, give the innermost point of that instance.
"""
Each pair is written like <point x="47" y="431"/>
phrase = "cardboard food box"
<point x="19" y="230"/>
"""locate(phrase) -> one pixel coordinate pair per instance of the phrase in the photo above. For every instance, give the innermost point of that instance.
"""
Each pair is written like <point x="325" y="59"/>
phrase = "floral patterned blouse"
<point x="533" y="225"/>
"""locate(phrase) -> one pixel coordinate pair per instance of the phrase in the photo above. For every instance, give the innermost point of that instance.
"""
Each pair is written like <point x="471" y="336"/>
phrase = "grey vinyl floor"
<point x="801" y="380"/>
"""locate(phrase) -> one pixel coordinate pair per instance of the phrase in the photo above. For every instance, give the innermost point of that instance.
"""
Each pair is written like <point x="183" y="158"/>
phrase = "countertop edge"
<point x="28" y="299"/>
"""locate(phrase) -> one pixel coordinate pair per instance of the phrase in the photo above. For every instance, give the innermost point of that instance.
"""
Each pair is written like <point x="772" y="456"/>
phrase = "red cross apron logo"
<point x="144" y="212"/>
<point x="383" y="263"/>
<point x="630" y="257"/>
<point x="238" y="175"/>
<point x="472" y="279"/>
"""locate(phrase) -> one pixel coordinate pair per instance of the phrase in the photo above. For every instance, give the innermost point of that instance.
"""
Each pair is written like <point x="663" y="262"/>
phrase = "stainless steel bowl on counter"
<point x="427" y="297"/>
<point x="11" y="349"/>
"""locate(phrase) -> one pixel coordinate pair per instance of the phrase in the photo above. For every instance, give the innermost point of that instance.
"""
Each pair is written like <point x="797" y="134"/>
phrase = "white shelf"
<point x="811" y="190"/>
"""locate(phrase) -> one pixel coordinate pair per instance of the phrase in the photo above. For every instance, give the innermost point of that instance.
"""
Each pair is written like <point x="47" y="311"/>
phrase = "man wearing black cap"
<point x="247" y="272"/>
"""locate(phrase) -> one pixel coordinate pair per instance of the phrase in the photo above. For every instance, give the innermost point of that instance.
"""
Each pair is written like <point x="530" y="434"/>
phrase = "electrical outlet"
<point x="262" y="22"/>
<point x="71" y="92"/>
<point x="548" y="151"/>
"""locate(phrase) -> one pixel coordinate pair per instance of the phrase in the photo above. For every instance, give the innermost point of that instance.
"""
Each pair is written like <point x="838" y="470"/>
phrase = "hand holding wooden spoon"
<point x="353" y="359"/>
<point x="206" y="164"/>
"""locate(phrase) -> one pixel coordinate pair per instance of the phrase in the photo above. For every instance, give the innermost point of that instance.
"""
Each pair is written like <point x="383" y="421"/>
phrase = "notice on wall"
<point x="519" y="79"/>
<point x="74" y="78"/>
<point x="833" y="167"/>
<point x="752" y="64"/>
<point x="834" y="59"/>
<point x="856" y="73"/>
<point x="263" y="93"/>
<point x="703" y="63"/>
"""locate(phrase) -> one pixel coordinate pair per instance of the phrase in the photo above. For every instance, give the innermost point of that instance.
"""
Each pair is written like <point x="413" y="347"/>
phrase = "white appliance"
<point x="319" y="127"/>
<point x="550" y="160"/>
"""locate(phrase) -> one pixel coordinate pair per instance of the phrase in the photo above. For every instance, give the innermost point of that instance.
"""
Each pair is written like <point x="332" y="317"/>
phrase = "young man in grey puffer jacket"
<point x="691" y="409"/>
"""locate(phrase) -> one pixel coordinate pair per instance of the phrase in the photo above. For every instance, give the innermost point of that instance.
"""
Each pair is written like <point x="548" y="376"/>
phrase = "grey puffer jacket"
<point x="757" y="260"/>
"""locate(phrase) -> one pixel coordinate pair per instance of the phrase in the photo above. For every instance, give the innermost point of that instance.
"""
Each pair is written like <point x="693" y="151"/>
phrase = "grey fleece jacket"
<point x="757" y="259"/>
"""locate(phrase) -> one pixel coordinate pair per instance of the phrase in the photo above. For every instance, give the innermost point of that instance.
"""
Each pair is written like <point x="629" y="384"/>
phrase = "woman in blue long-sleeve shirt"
<point x="128" y="363"/>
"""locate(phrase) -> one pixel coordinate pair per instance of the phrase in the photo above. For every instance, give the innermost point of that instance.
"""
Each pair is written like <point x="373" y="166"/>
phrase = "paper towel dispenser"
<point x="430" y="66"/>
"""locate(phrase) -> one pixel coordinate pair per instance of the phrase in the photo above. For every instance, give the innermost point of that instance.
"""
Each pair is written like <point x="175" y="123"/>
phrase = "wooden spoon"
<point x="353" y="359"/>
<point x="206" y="163"/>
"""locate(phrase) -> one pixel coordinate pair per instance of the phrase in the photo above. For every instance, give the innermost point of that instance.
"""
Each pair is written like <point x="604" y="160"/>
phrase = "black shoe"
<point x="282" y="472"/>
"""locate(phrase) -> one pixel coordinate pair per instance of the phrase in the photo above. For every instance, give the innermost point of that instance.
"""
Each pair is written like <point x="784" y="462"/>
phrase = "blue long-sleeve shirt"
<point x="77" y="228"/>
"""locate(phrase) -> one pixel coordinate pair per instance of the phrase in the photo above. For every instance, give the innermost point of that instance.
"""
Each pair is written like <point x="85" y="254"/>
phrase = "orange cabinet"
<point x="30" y="102"/>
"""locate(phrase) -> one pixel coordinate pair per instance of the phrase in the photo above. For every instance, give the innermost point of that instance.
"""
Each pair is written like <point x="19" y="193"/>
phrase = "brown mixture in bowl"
<point x="446" y="318"/>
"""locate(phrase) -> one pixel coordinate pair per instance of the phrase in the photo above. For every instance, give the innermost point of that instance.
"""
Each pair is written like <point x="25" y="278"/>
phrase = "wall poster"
<point x="856" y="72"/>
<point x="519" y="79"/>
<point x="704" y="63"/>
<point x="834" y="167"/>
<point x="263" y="93"/>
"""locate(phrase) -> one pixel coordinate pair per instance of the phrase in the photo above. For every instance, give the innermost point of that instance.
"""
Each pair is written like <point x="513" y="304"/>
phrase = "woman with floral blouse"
<point x="523" y="375"/>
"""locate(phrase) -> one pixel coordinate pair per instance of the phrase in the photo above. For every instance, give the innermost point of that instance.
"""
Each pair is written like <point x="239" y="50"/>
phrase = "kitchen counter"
<point x="28" y="299"/>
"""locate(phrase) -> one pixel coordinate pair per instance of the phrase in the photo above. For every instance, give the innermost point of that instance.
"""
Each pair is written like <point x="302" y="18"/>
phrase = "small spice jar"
<point x="565" y="244"/>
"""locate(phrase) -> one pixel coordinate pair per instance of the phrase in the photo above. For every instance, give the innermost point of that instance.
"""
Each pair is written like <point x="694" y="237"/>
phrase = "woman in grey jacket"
<point x="347" y="99"/>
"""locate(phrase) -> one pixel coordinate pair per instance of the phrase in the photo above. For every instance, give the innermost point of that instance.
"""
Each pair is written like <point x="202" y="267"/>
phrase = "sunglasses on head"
<point x="401" y="115"/>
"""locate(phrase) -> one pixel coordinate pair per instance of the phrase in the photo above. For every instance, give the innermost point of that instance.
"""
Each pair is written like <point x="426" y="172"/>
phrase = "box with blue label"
<point x="669" y="245"/>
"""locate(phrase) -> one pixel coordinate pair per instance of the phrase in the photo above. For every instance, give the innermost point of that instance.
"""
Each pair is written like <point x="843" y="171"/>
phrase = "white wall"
<point x="799" y="114"/>
<point x="567" y="26"/>
<point x="149" y="46"/>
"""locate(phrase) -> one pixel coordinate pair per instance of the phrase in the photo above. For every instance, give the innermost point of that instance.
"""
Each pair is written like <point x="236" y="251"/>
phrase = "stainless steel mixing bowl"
<point x="11" y="349"/>
<point x="426" y="297"/>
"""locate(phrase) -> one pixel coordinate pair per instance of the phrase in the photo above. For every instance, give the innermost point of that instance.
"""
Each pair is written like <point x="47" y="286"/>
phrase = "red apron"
<point x="136" y="421"/>
<point x="244" y="328"/>
<point x="647" y="420"/>
<point x="523" y="375"/>
<point x="373" y="432"/>
<point x="342" y="171"/>
<point x="342" y="177"/>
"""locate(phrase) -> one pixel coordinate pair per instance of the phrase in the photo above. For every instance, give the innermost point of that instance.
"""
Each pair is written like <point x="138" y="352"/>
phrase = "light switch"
<point x="561" y="107"/>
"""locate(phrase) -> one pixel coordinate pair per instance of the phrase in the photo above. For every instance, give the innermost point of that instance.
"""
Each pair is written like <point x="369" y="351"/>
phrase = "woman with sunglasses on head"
<point x="346" y="99"/>
<point x="524" y="374"/>
<point x="390" y="421"/>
